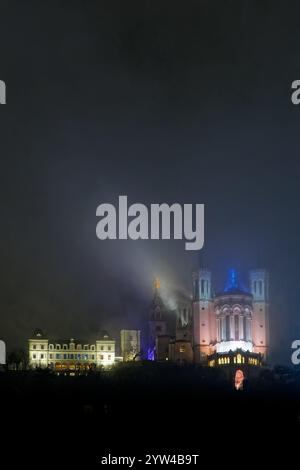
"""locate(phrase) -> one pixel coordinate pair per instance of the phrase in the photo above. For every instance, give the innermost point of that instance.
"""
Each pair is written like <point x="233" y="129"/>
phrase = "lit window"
<point x="239" y="359"/>
<point x="182" y="349"/>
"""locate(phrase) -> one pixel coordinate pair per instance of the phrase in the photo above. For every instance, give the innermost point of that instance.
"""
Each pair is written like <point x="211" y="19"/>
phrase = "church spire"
<point x="156" y="285"/>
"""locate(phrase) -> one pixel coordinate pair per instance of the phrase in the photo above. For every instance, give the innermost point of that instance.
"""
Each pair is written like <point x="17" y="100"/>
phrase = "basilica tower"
<point x="204" y="323"/>
<point x="259" y="285"/>
<point x="157" y="321"/>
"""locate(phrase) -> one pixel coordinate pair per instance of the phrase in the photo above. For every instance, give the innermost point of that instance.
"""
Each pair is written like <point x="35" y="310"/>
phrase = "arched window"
<point x="236" y="327"/>
<point x="227" y="327"/>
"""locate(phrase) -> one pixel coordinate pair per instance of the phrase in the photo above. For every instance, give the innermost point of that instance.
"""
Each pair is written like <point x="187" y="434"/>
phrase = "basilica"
<point x="226" y="328"/>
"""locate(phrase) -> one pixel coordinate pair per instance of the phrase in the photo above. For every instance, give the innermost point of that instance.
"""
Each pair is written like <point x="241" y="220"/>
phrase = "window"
<point x="51" y="356"/>
<point x="58" y="346"/>
<point x="34" y="356"/>
<point x="42" y="356"/>
<point x="109" y="357"/>
<point x="196" y="290"/>
<point x="71" y="356"/>
<point x="65" y="356"/>
<point x="102" y="348"/>
<point x="236" y="327"/>
<point x="50" y="346"/>
<point x="93" y="348"/>
<point x="65" y="346"/>
<point x="42" y="346"/>
<point x="109" y="348"/>
<point x="57" y="356"/>
<point x="34" y="346"/>
<point x="227" y="327"/>
<point x="101" y="357"/>
<point x="182" y="349"/>
<point x="93" y="356"/>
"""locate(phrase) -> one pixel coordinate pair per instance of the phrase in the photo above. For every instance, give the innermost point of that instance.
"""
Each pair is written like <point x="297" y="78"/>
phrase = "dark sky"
<point x="165" y="101"/>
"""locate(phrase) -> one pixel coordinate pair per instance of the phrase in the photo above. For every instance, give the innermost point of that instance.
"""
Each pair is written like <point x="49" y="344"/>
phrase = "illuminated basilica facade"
<point x="229" y="328"/>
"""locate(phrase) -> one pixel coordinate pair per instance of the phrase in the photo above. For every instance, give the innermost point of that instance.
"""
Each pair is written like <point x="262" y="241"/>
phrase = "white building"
<point x="70" y="354"/>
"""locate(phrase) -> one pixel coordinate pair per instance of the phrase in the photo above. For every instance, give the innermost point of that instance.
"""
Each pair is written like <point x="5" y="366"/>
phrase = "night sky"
<point x="165" y="101"/>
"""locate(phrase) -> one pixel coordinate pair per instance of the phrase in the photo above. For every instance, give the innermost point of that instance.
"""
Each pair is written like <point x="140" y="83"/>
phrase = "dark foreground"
<point x="141" y="409"/>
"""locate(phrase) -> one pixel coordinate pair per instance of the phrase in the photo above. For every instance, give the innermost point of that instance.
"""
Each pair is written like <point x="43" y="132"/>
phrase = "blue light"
<point x="150" y="354"/>
<point x="233" y="283"/>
